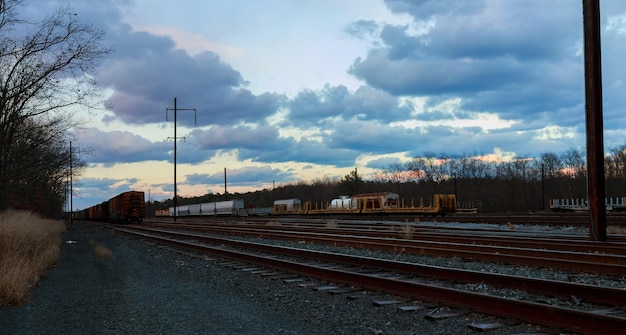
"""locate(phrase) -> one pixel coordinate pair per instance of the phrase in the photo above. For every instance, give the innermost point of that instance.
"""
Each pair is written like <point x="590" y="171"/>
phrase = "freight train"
<point x="385" y="203"/>
<point x="124" y="208"/>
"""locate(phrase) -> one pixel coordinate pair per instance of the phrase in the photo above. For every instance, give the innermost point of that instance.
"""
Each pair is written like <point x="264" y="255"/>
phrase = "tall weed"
<point x="29" y="245"/>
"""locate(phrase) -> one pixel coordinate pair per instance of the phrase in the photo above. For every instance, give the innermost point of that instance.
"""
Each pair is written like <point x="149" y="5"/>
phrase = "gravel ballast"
<point x="145" y="289"/>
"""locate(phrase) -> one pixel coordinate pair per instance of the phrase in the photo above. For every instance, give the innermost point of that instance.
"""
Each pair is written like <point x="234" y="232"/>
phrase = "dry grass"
<point x="273" y="223"/>
<point x="406" y="232"/>
<point x="100" y="250"/>
<point x="615" y="230"/>
<point x="29" y="245"/>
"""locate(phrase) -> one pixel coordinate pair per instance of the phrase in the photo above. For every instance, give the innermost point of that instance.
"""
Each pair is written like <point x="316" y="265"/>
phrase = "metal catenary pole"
<point x="175" y="138"/>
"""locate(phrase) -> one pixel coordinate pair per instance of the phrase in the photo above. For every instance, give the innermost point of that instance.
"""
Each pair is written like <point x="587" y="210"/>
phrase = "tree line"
<point x="44" y="71"/>
<point x="520" y="184"/>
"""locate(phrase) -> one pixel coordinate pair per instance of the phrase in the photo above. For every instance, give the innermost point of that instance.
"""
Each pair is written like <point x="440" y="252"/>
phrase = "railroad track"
<point x="407" y="279"/>
<point x="552" y="219"/>
<point x="537" y="218"/>
<point x="567" y="253"/>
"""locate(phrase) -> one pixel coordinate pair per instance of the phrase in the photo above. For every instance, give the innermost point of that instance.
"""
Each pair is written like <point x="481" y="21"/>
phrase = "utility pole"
<point x="175" y="138"/>
<point x="225" y="189"/>
<point x="593" y="116"/>
<point x="71" y="187"/>
<point x="543" y="187"/>
<point x="71" y="212"/>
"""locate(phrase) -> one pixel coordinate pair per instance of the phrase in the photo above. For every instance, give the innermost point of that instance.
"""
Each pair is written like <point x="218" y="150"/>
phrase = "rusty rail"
<point x="547" y="257"/>
<point x="576" y="320"/>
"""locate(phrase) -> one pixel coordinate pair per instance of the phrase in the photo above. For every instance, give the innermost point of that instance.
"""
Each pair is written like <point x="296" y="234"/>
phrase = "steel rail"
<point x="558" y="244"/>
<point x="596" y="294"/>
<point x="585" y="262"/>
<point x="553" y="219"/>
<point x="576" y="320"/>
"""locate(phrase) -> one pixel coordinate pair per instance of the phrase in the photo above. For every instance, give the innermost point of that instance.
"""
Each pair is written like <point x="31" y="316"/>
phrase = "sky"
<point x="286" y="91"/>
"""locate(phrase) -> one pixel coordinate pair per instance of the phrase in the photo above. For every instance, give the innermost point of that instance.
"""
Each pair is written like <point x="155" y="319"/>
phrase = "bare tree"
<point x="616" y="163"/>
<point x="44" y="68"/>
<point x="552" y="165"/>
<point x="574" y="163"/>
<point x="475" y="168"/>
<point x="429" y="166"/>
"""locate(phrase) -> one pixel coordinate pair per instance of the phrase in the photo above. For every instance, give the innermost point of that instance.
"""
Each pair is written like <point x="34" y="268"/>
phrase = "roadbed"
<point x="143" y="288"/>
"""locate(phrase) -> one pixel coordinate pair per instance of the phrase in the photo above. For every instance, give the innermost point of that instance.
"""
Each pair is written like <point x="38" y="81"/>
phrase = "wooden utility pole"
<point x="593" y="117"/>
<point x="175" y="138"/>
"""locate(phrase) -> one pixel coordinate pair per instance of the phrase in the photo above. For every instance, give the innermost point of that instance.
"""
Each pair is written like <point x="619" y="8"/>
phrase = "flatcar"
<point x="384" y="203"/>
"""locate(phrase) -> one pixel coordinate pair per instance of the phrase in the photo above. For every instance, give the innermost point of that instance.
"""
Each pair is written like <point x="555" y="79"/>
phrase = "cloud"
<point x="227" y="137"/>
<point x="424" y="9"/>
<point x="361" y="29"/>
<point x="326" y="106"/>
<point x="255" y="175"/>
<point x="383" y="163"/>
<point x="517" y="59"/>
<point x="202" y="82"/>
<point x="118" y="147"/>
<point x="91" y="191"/>
<point x="440" y="76"/>
<point x="146" y="72"/>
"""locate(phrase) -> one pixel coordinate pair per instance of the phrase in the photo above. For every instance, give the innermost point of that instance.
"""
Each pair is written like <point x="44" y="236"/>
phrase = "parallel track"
<point x="563" y="253"/>
<point x="576" y="320"/>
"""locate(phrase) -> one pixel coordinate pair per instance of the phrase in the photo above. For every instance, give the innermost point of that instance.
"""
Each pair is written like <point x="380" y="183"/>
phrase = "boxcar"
<point x="127" y="207"/>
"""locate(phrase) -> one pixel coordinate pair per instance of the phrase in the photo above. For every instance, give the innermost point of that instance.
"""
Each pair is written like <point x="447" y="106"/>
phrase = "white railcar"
<point x="343" y="202"/>
<point x="180" y="211"/>
<point x="231" y="207"/>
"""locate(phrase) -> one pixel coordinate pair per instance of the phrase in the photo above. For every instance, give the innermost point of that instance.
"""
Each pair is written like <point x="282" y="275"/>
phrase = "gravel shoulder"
<point x="144" y="289"/>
